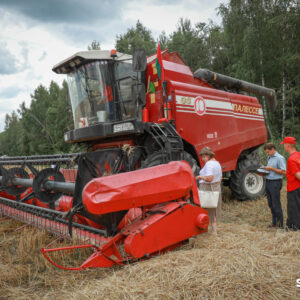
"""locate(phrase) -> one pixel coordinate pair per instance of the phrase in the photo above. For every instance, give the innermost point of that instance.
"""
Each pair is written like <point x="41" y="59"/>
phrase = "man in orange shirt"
<point x="293" y="183"/>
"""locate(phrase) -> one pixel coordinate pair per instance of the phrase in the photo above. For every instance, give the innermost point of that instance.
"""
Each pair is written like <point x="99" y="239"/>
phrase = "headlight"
<point x="123" y="127"/>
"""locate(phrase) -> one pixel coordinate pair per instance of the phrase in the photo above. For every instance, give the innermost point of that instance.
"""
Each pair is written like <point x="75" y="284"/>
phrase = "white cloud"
<point x="165" y="16"/>
<point x="33" y="44"/>
<point x="28" y="45"/>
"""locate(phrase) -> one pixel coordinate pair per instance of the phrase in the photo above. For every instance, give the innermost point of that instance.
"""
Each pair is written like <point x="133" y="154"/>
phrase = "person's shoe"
<point x="291" y="228"/>
<point x="271" y="226"/>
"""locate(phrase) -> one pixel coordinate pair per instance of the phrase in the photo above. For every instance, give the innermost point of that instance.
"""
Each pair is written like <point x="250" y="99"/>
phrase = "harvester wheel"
<point x="193" y="163"/>
<point x="40" y="192"/>
<point x="247" y="185"/>
<point x="12" y="173"/>
<point x="158" y="158"/>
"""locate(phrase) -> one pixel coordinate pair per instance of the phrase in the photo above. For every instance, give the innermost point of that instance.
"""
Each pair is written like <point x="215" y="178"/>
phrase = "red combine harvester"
<point x="133" y="194"/>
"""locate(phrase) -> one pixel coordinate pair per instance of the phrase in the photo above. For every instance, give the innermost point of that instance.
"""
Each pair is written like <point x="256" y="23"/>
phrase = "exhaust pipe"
<point x="220" y="80"/>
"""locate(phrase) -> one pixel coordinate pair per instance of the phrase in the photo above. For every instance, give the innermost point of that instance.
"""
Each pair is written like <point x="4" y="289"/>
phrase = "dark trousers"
<point x="293" y="209"/>
<point x="273" y="188"/>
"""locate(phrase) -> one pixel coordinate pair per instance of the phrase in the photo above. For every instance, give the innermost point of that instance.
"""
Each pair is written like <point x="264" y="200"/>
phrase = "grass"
<point x="246" y="260"/>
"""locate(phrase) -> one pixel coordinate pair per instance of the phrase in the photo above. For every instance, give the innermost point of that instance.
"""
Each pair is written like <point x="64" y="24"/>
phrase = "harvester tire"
<point x="157" y="158"/>
<point x="247" y="185"/>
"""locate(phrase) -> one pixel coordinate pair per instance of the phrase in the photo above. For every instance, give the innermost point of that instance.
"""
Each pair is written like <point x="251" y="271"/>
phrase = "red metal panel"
<point x="175" y="69"/>
<point x="155" y="101"/>
<point x="69" y="174"/>
<point x="138" y="188"/>
<point x="106" y="256"/>
<point x="65" y="203"/>
<point x="132" y="215"/>
<point x="227" y="131"/>
<point x="163" y="229"/>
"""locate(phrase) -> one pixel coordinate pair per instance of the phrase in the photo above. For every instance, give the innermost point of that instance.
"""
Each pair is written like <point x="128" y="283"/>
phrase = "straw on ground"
<point x="245" y="261"/>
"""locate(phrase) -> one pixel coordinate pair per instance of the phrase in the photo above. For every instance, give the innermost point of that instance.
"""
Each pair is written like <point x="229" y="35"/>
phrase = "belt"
<point x="274" y="179"/>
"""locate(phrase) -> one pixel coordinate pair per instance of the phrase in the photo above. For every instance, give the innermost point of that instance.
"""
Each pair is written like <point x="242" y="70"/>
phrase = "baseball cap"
<point x="289" y="140"/>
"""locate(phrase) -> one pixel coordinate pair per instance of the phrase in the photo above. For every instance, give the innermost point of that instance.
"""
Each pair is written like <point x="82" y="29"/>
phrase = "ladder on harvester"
<point x="168" y="140"/>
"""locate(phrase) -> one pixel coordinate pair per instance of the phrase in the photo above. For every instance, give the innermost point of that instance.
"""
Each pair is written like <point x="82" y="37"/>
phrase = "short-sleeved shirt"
<point x="276" y="161"/>
<point x="293" y="167"/>
<point x="212" y="168"/>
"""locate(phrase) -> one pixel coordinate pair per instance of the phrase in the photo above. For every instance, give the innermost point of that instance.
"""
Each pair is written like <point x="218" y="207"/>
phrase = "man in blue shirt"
<point x="277" y="167"/>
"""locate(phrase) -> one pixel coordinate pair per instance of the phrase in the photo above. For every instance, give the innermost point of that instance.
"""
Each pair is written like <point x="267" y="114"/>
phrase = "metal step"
<point x="168" y="139"/>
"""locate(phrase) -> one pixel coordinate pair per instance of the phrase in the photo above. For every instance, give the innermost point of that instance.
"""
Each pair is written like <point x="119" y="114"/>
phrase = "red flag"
<point x="159" y="65"/>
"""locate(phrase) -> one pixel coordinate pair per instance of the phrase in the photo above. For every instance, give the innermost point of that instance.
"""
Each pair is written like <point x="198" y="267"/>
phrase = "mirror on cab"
<point x="139" y="60"/>
<point x="139" y="92"/>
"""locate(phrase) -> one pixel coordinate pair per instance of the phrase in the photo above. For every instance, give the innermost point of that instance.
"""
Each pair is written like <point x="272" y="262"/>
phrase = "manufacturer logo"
<point x="200" y="106"/>
<point x="245" y="109"/>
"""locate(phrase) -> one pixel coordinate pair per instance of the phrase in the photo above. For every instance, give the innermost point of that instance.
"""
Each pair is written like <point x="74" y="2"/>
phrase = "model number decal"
<point x="186" y="100"/>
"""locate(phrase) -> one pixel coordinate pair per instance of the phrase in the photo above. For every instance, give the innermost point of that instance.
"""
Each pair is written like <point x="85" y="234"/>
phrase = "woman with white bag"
<point x="210" y="177"/>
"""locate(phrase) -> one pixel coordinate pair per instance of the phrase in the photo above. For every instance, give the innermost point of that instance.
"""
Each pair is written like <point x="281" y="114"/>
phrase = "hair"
<point x="269" y="146"/>
<point x="207" y="151"/>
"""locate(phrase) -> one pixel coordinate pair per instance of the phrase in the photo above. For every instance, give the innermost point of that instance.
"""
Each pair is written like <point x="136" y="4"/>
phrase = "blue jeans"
<point x="273" y="188"/>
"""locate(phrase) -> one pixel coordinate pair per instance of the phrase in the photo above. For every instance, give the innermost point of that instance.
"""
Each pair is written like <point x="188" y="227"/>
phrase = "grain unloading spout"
<point x="223" y="81"/>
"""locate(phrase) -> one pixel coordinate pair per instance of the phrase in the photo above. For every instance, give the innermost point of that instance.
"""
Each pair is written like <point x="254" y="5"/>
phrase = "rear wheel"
<point x="247" y="185"/>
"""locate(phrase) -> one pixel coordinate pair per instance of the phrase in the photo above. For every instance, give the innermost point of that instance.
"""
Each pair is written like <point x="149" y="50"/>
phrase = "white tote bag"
<point x="209" y="199"/>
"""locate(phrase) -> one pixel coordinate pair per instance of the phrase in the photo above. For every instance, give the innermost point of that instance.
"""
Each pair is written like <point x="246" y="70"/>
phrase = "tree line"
<point x="257" y="41"/>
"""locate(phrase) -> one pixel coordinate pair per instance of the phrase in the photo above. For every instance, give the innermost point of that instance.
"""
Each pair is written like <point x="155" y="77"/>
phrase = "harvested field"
<point x="245" y="260"/>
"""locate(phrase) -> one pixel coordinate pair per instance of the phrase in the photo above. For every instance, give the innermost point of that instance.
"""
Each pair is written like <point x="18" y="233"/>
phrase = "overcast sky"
<point x="37" y="34"/>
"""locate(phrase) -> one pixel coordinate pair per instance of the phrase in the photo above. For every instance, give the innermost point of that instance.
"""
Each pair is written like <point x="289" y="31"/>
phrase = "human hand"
<point x="268" y="168"/>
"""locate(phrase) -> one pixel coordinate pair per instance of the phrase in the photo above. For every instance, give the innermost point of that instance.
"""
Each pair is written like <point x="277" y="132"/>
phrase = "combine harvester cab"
<point x="143" y="121"/>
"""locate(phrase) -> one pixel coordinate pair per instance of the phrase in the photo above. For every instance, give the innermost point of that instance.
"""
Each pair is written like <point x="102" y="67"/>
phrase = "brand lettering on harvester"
<point x="245" y="109"/>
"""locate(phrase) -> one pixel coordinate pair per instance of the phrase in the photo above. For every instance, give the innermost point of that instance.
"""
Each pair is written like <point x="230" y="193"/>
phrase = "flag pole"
<point x="161" y="75"/>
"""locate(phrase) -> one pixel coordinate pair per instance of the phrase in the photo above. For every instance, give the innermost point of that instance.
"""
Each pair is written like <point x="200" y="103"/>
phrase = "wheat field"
<point x="246" y="260"/>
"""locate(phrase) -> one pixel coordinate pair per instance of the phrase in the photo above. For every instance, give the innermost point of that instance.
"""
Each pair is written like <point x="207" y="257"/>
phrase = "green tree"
<point x="163" y="40"/>
<point x="284" y="22"/>
<point x="201" y="46"/>
<point x="40" y="128"/>
<point x="95" y="45"/>
<point x="262" y="41"/>
<point x="189" y="43"/>
<point x="11" y="139"/>
<point x="138" y="37"/>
